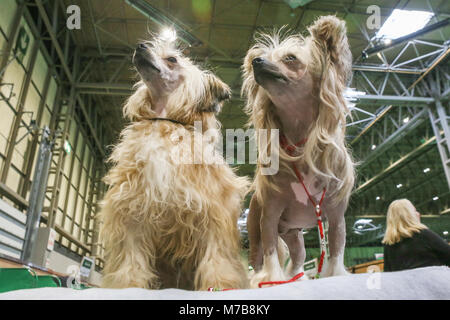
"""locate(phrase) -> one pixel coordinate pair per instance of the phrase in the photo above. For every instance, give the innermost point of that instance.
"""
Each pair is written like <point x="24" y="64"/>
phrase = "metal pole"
<point x="37" y="193"/>
<point x="442" y="135"/>
<point x="35" y="139"/>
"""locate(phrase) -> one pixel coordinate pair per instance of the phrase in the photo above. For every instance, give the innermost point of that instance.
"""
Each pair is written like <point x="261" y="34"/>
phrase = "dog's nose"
<point x="257" y="61"/>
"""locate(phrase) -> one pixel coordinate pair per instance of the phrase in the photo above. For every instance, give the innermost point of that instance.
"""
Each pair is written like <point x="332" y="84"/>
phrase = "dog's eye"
<point x="172" y="59"/>
<point x="290" y="57"/>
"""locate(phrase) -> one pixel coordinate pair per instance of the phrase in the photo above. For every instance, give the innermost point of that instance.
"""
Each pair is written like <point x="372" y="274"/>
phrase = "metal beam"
<point x="89" y="173"/>
<point x="20" y="109"/>
<point x="103" y="85"/>
<point x="397" y="164"/>
<point x="395" y="100"/>
<point x="432" y="66"/>
<point x="78" y="189"/>
<point x="31" y="148"/>
<point x="126" y="88"/>
<point x="69" y="178"/>
<point x="378" y="117"/>
<point x="67" y="71"/>
<point x="54" y="39"/>
<point x="37" y="193"/>
<point x="383" y="216"/>
<point x="99" y="92"/>
<point x="8" y="45"/>
<point x="9" y="193"/>
<point x="393" y="138"/>
<point x="89" y="123"/>
<point x="62" y="120"/>
<point x="441" y="129"/>
<point x="362" y="67"/>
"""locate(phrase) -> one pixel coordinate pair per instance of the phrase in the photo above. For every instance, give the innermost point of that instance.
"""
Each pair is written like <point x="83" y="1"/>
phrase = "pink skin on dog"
<point x="292" y="75"/>
<point x="310" y="183"/>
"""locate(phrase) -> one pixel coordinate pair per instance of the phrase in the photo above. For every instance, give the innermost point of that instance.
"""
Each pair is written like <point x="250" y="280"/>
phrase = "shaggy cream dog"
<point x="170" y="215"/>
<point x="296" y="85"/>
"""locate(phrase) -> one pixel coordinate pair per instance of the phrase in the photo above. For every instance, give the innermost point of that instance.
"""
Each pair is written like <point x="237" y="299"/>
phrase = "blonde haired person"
<point x="408" y="243"/>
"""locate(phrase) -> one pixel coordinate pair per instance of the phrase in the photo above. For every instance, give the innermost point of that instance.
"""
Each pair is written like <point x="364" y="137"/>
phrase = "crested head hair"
<point x="328" y="60"/>
<point x="197" y="98"/>
<point x="401" y="222"/>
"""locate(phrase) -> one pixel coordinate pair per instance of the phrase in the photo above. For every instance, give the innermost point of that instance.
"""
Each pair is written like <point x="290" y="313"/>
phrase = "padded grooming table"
<point x="425" y="283"/>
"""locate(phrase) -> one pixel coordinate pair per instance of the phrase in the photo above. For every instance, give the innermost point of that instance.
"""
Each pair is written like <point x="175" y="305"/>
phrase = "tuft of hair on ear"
<point x="138" y="105"/>
<point x="330" y="34"/>
<point x="217" y="92"/>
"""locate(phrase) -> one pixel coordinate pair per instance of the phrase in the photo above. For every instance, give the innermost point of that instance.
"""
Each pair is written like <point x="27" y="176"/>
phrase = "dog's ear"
<point x="217" y="93"/>
<point x="329" y="34"/>
<point x="225" y="94"/>
<point x="138" y="105"/>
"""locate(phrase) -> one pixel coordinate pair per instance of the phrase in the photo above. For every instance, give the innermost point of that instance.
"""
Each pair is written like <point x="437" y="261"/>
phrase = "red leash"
<point x="298" y="276"/>
<point x="290" y="150"/>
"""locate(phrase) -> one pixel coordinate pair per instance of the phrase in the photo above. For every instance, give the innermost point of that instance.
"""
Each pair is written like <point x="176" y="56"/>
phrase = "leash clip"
<point x="318" y="208"/>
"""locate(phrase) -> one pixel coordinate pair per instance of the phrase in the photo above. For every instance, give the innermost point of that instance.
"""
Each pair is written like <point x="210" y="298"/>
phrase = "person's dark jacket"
<point x="423" y="249"/>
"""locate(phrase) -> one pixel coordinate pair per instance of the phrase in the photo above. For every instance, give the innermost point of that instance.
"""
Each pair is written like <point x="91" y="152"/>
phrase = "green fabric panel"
<point x="16" y="278"/>
<point x="48" y="281"/>
<point x="22" y="278"/>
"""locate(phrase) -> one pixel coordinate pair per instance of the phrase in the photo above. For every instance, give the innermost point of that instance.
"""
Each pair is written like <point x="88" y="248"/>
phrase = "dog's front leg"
<point x="128" y="263"/>
<point x="295" y="242"/>
<point x="271" y="269"/>
<point x="220" y="267"/>
<point x="254" y="235"/>
<point x="336" y="240"/>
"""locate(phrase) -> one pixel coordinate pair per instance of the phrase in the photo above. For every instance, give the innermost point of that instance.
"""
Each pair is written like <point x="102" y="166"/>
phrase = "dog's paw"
<point x="292" y="271"/>
<point x="263" y="276"/>
<point x="333" y="268"/>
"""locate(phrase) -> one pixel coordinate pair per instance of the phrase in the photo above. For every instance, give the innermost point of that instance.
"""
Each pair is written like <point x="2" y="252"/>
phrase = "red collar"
<point x="290" y="148"/>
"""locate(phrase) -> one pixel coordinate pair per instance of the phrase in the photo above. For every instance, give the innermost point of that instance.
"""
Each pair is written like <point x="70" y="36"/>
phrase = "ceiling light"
<point x="403" y="22"/>
<point x="351" y="94"/>
<point x="163" y="20"/>
<point x="435" y="198"/>
<point x="397" y="38"/>
<point x="364" y="225"/>
<point x="363" y="221"/>
<point x="168" y="34"/>
<point x="426" y="170"/>
<point x="67" y="147"/>
<point x="399" y="186"/>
